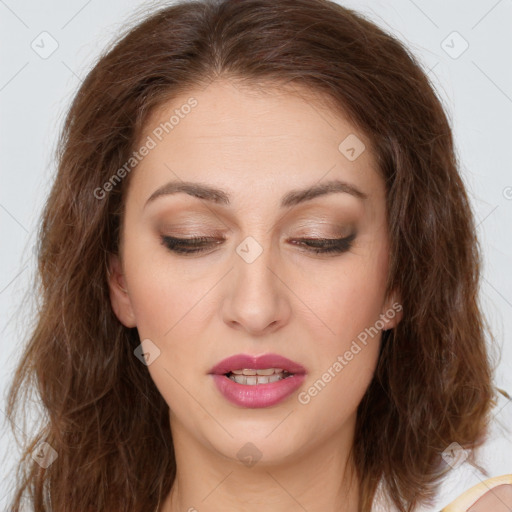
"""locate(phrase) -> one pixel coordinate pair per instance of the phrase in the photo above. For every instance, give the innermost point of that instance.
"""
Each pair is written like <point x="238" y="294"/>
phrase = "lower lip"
<point x="259" y="395"/>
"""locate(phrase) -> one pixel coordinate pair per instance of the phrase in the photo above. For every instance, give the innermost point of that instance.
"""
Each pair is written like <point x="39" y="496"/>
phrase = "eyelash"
<point x="316" y="245"/>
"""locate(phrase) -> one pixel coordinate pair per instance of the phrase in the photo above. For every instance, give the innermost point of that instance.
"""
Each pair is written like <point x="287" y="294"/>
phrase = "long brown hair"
<point x="105" y="418"/>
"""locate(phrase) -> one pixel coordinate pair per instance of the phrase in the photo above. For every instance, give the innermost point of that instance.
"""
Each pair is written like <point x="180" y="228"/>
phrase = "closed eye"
<point x="185" y="246"/>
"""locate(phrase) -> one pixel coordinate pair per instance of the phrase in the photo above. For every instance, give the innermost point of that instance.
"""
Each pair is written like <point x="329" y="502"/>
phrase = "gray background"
<point x="474" y="83"/>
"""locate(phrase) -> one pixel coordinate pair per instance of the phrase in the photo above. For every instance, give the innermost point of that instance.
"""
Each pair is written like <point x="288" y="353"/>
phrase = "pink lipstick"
<point x="254" y="382"/>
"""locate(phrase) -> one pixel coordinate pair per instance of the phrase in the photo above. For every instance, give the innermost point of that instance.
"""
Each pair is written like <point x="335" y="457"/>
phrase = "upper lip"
<point x="241" y="361"/>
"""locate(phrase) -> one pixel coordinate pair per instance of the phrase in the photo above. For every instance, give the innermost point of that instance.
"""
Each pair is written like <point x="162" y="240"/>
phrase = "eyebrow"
<point x="292" y="198"/>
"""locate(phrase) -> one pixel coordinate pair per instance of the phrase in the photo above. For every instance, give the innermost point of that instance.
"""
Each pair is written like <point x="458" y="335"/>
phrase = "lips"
<point x="254" y="394"/>
<point x="245" y="361"/>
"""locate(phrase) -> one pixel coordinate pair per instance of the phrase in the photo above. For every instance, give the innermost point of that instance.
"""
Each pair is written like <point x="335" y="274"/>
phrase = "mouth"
<point x="250" y="381"/>
<point x="271" y="366"/>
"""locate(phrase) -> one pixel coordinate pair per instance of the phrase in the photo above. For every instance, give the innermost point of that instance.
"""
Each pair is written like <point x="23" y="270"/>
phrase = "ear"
<point x="392" y="311"/>
<point x="119" y="298"/>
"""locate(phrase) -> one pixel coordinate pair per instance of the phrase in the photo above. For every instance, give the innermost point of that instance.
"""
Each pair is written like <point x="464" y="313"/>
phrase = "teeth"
<point x="252" y="377"/>
<point x="253" y="380"/>
<point x="266" y="371"/>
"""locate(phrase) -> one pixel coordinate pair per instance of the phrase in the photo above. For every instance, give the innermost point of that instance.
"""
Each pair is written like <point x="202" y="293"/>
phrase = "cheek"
<point x="169" y="312"/>
<point x="346" y="361"/>
<point x="163" y="298"/>
<point x="173" y="311"/>
<point x="352" y="310"/>
<point x="350" y="296"/>
<point x="351" y="302"/>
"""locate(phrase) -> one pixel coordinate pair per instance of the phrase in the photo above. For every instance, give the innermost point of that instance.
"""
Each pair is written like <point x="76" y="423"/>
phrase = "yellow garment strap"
<point x="466" y="500"/>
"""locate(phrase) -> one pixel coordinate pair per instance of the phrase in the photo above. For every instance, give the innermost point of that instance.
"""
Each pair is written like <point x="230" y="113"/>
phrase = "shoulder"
<point x="493" y="494"/>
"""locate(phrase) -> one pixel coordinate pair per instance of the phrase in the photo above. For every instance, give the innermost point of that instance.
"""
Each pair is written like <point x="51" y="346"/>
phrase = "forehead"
<point x="245" y="139"/>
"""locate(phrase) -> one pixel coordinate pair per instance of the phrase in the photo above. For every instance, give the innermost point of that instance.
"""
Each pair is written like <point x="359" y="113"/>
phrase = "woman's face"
<point x="257" y="288"/>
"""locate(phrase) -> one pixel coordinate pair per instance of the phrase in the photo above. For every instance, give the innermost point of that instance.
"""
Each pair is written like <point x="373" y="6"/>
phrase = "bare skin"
<point x="309" y="307"/>
<point x="498" y="499"/>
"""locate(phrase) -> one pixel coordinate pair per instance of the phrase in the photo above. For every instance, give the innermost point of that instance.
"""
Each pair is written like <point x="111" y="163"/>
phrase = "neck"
<point x="320" y="478"/>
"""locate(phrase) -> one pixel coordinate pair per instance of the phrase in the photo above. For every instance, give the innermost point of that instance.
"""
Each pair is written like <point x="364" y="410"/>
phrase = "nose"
<point x="256" y="297"/>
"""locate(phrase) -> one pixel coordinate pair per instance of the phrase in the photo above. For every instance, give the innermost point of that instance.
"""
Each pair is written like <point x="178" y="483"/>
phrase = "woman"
<point x="259" y="274"/>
